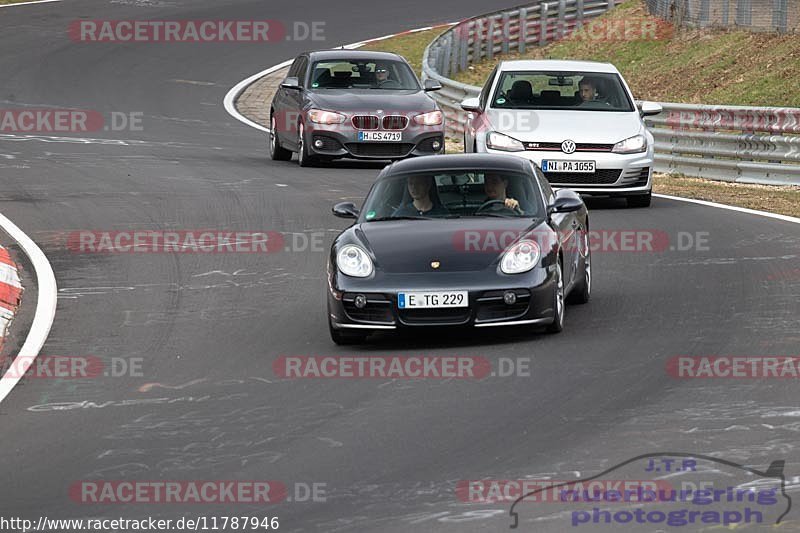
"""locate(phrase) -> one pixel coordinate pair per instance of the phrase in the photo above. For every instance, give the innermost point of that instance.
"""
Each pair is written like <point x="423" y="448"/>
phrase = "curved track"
<point x="208" y="327"/>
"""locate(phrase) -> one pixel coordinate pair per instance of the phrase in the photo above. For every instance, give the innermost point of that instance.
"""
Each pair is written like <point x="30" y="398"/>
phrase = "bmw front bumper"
<point x="342" y="140"/>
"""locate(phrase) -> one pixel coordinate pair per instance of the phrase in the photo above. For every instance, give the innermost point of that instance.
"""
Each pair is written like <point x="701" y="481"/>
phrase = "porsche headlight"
<point x="631" y="145"/>
<point x="354" y="261"/>
<point x="319" y="116"/>
<point x="498" y="141"/>
<point x="520" y="258"/>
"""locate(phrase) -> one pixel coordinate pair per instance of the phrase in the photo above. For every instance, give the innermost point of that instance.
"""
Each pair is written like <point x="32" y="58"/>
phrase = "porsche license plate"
<point x="381" y="136"/>
<point x="430" y="300"/>
<point x="583" y="167"/>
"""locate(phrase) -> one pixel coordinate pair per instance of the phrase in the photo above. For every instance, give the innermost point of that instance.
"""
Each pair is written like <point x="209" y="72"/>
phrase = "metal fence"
<point x="731" y="143"/>
<point x="758" y="15"/>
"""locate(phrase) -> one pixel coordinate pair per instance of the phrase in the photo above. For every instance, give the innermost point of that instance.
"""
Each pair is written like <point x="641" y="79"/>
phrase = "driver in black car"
<point x="422" y="203"/>
<point x="495" y="186"/>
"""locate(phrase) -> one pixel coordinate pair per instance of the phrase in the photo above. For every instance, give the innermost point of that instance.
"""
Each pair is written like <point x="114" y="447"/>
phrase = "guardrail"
<point x="730" y="143"/>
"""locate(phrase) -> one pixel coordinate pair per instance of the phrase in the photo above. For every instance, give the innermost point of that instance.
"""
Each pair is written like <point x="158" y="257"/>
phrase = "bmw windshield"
<point x="363" y="74"/>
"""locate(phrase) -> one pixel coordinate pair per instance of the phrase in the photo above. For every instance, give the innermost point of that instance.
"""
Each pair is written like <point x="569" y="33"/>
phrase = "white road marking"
<point x="45" y="307"/>
<point x="29" y="3"/>
<point x="776" y="216"/>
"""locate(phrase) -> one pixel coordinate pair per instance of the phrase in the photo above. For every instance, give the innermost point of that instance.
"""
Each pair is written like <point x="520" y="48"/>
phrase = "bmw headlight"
<point x="354" y="261"/>
<point x="498" y="141"/>
<point x="434" y="118"/>
<point x="631" y="145"/>
<point x="520" y="258"/>
<point x="318" y="116"/>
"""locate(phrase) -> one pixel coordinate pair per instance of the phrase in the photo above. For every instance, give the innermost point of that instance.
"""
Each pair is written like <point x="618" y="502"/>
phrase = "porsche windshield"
<point x="579" y="91"/>
<point x="452" y="195"/>
<point x="362" y="74"/>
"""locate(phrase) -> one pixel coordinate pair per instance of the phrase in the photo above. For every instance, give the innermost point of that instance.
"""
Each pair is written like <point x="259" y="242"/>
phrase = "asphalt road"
<point x="208" y="327"/>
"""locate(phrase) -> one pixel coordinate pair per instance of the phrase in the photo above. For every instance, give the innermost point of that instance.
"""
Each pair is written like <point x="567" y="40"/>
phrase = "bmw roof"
<point x="338" y="53"/>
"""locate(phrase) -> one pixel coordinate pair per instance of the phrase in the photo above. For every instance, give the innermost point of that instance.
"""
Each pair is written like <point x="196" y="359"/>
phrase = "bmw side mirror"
<point x="566" y="201"/>
<point x="346" y="210"/>
<point x="291" y="83"/>
<point x="649" y="109"/>
<point x="432" y="85"/>
<point x="471" y="105"/>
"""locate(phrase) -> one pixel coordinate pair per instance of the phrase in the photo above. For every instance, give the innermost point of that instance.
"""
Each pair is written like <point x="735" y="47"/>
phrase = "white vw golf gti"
<point x="577" y="120"/>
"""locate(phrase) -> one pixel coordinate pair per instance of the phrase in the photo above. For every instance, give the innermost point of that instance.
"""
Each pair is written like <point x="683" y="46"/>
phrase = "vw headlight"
<point x="498" y="141"/>
<point x="520" y="258"/>
<point x="354" y="261"/>
<point x="434" y="118"/>
<point x="631" y="145"/>
<point x="319" y="116"/>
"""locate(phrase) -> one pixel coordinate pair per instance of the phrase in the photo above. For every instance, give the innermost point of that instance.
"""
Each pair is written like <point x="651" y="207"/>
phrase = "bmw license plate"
<point x="430" y="300"/>
<point x="582" y="167"/>
<point x="384" y="136"/>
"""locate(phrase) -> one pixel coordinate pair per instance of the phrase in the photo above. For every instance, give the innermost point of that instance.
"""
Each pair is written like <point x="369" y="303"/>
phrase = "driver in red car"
<point x="495" y="186"/>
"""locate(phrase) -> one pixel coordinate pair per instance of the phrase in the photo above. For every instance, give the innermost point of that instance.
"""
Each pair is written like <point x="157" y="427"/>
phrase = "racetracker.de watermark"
<point x="71" y="367"/>
<point x="554" y="491"/>
<point x="203" y="241"/>
<point x="399" y="367"/>
<point x="200" y="492"/>
<point x="194" y="31"/>
<point x="41" y="120"/>
<point x="594" y="30"/>
<point x="605" y="240"/>
<point x="734" y="367"/>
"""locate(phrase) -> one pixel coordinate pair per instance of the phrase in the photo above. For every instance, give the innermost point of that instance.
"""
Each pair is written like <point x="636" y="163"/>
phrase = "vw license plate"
<point x="429" y="300"/>
<point x="390" y="136"/>
<point x="584" y="167"/>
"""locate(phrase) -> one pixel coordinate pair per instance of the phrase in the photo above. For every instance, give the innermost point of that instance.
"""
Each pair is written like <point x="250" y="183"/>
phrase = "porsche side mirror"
<point x="566" y="201"/>
<point x="346" y="210"/>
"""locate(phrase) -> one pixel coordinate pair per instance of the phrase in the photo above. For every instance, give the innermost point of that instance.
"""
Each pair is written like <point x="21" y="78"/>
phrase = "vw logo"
<point x="568" y="146"/>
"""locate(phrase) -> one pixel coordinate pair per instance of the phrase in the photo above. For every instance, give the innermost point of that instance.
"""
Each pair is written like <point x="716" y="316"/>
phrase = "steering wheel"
<point x="390" y="84"/>
<point x="501" y="202"/>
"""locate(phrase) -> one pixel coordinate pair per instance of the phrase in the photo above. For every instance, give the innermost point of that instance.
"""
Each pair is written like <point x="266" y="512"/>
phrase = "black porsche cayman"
<point x="473" y="240"/>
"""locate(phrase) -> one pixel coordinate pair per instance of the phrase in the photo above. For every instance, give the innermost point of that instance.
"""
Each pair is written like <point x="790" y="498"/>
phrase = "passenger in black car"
<point x="423" y="202"/>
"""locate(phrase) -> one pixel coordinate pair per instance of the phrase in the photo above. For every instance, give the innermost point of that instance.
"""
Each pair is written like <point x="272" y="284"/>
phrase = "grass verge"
<point x="781" y="200"/>
<point x="733" y="67"/>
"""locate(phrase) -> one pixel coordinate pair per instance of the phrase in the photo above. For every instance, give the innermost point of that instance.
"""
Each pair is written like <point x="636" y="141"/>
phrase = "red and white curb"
<point x="45" y="302"/>
<point x="230" y="99"/>
<point x="10" y="292"/>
